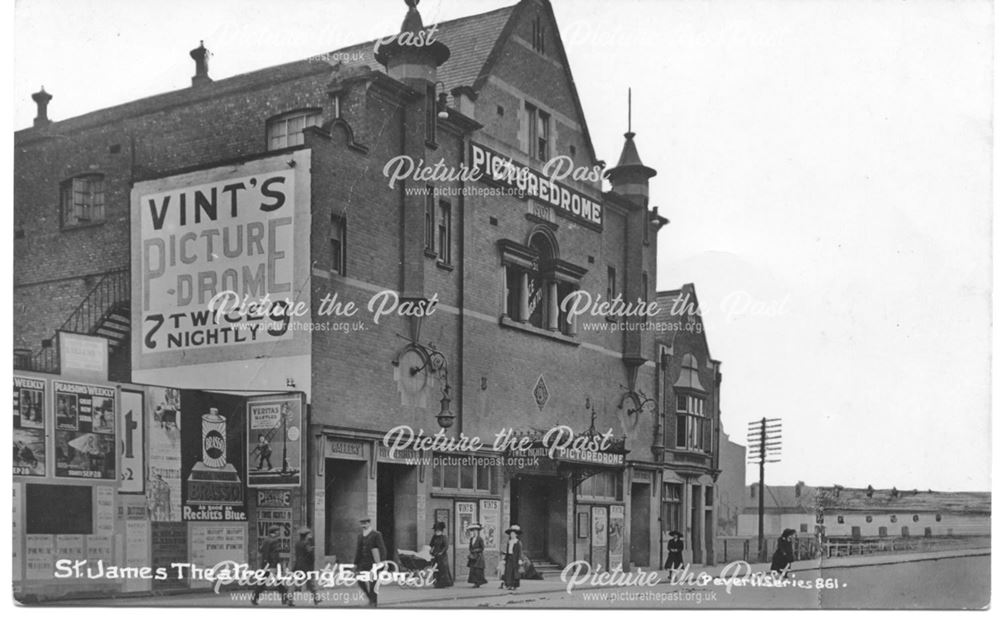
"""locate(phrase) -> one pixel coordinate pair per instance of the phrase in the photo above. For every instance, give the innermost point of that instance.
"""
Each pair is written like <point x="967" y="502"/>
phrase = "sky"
<point x="825" y="167"/>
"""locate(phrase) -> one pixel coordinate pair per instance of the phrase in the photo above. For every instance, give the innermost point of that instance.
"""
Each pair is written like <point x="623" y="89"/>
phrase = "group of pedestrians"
<point x="781" y="561"/>
<point x="371" y="552"/>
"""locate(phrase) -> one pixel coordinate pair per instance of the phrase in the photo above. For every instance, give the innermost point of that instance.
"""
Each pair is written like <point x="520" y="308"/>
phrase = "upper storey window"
<point x="538" y="35"/>
<point x="82" y="201"/>
<point x="538" y="132"/>
<point x="288" y="130"/>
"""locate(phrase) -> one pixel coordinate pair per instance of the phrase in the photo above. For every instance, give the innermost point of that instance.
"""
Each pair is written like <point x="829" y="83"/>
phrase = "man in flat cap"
<point x="370" y="552"/>
<point x="305" y="561"/>
<point x="270" y="558"/>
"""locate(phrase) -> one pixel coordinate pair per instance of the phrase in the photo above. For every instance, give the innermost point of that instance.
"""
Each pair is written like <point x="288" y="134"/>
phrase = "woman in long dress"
<point x="675" y="551"/>
<point x="439" y="555"/>
<point x="477" y="562"/>
<point x="512" y="559"/>
<point x="784" y="554"/>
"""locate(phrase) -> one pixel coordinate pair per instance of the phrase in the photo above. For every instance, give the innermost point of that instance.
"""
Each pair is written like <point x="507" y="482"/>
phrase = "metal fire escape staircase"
<point x="105" y="312"/>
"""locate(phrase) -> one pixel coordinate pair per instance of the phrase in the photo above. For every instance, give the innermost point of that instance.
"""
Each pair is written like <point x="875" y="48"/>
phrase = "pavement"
<point x="551" y="590"/>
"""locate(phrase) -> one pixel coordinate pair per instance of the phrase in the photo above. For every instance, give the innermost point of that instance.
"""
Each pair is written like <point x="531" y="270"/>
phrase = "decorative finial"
<point x="412" y="3"/>
<point x="630" y="110"/>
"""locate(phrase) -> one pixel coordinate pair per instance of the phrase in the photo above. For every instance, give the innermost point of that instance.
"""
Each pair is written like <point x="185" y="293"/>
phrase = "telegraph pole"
<point x="764" y="442"/>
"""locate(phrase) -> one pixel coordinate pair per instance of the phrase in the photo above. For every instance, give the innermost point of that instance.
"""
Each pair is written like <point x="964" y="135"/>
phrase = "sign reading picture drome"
<point x="205" y="244"/>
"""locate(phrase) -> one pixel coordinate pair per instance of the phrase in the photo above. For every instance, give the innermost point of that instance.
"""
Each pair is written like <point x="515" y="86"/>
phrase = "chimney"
<point x="798" y="489"/>
<point x="200" y="56"/>
<point x="870" y="491"/>
<point x="42" y="101"/>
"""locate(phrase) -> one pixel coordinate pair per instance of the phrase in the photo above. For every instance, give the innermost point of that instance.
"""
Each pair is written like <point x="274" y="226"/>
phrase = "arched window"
<point x="536" y="280"/>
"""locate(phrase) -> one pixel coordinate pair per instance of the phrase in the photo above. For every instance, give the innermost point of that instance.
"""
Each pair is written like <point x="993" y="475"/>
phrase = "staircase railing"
<point x="111" y="292"/>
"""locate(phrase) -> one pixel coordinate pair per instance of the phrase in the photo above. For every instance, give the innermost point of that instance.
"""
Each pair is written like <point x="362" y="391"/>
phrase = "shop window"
<point x="429" y="220"/>
<point x="288" y="130"/>
<point x="444" y="232"/>
<point x="338" y="244"/>
<point x="708" y="496"/>
<point x="612" y="291"/>
<point x="467" y="472"/>
<point x="883" y="531"/>
<point x="906" y="531"/>
<point x="464" y="474"/>
<point x="81" y="201"/>
<point x="47" y="505"/>
<point x="928" y="532"/>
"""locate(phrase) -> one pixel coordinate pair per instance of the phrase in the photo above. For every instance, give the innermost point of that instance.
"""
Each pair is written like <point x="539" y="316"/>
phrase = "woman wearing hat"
<point x="439" y="555"/>
<point x="512" y="559"/>
<point x="784" y="555"/>
<point x="477" y="562"/>
<point x="675" y="551"/>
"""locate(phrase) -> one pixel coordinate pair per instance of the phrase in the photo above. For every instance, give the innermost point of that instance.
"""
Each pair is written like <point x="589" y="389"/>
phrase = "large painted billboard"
<point x="220" y="263"/>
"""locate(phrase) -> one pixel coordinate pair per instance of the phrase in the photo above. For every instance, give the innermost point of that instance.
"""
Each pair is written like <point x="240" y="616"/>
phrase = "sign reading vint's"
<point x="502" y="170"/>
<point x="228" y="232"/>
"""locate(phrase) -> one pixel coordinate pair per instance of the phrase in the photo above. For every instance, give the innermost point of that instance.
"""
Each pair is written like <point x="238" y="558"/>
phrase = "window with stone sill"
<point x="532" y="297"/>
<point x="288" y="130"/>
<point x="81" y="201"/>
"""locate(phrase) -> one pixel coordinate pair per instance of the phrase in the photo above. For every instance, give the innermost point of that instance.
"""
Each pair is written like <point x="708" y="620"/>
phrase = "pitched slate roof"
<point x="471" y="40"/>
<point x="856" y="499"/>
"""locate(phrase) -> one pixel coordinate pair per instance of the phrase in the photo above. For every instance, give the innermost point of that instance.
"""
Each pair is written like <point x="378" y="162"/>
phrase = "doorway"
<point x="639" y="533"/>
<point x="346" y="504"/>
<point x="538" y="504"/>
<point x="396" y="504"/>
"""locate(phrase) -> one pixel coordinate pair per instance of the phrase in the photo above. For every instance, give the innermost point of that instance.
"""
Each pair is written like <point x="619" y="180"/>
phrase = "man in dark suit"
<point x="270" y="557"/>
<point x="370" y="552"/>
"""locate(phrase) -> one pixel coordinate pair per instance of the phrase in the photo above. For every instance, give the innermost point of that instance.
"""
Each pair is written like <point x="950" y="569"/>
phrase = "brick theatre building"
<point x="394" y="199"/>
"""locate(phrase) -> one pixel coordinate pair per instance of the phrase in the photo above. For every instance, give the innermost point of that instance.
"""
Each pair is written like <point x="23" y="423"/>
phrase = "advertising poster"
<point x="17" y="548"/>
<point x="136" y="551"/>
<point x="599" y="527"/>
<point x="29" y="426"/>
<point x="201" y="243"/>
<point x="211" y="543"/>
<point x="274" y="441"/>
<point x="616" y="536"/>
<point x="213" y="478"/>
<point x="38" y="560"/>
<point x="489" y="517"/>
<point x="163" y="494"/>
<point x="275" y="517"/>
<point x="85" y="430"/>
<point x="131" y="428"/>
<point x="465" y="514"/>
<point x="168" y="542"/>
